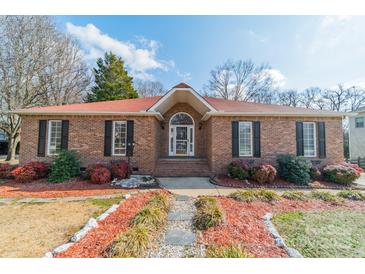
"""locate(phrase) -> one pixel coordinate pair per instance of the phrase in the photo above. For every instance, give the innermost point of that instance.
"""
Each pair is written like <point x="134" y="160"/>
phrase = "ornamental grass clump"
<point x="248" y="196"/>
<point x="295" y="195"/>
<point x="231" y="251"/>
<point x="344" y="174"/>
<point x="326" y="197"/>
<point x="150" y="217"/>
<point x="161" y="201"/>
<point x="350" y="194"/>
<point x="208" y="213"/>
<point x="133" y="243"/>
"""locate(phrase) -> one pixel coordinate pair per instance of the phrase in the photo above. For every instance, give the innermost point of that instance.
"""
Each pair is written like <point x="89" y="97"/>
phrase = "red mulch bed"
<point x="244" y="224"/>
<point x="44" y="189"/>
<point x="98" y="239"/>
<point x="224" y="180"/>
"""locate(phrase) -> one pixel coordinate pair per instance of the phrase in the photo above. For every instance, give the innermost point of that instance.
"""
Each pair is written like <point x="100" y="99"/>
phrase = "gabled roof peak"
<point x="182" y="85"/>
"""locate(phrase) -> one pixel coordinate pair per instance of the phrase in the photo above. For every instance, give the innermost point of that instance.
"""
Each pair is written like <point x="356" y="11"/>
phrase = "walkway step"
<point x="182" y="198"/>
<point x="179" y="237"/>
<point x="180" y="216"/>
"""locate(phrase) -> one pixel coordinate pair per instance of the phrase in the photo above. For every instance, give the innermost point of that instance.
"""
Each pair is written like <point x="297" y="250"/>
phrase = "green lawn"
<point x="338" y="233"/>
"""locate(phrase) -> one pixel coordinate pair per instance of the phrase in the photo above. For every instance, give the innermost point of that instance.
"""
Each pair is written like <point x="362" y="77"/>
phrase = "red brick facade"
<point x="213" y="140"/>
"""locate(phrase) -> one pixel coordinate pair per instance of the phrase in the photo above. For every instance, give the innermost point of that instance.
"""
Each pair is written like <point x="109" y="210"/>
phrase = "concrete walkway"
<point x="193" y="186"/>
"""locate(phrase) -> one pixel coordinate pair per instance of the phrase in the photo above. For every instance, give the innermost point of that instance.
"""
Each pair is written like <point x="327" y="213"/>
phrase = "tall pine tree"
<point x="112" y="81"/>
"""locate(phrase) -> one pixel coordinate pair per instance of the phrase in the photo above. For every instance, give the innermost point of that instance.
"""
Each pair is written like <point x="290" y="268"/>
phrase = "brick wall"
<point x="277" y="136"/>
<point x="86" y="136"/>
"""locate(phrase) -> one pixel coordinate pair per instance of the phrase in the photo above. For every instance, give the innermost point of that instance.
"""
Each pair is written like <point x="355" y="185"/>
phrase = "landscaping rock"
<point x="126" y="183"/>
<point x="107" y="213"/>
<point x="92" y="223"/>
<point x="48" y="255"/>
<point x="136" y="181"/>
<point x="61" y="248"/>
<point x="182" y="198"/>
<point x="179" y="216"/>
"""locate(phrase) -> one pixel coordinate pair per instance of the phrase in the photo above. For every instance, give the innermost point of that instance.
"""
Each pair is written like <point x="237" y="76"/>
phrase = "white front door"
<point x="181" y="141"/>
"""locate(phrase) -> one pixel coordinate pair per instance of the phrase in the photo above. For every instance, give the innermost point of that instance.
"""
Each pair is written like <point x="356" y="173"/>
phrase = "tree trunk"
<point x="12" y="144"/>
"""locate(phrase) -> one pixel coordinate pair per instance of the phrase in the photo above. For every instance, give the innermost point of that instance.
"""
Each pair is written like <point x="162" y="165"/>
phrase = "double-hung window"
<point x="119" y="142"/>
<point x="359" y="122"/>
<point x="309" y="139"/>
<point x="54" y="136"/>
<point x="245" y="138"/>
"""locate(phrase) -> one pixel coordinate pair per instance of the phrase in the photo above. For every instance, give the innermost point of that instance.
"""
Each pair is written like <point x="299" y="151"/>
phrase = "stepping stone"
<point x="179" y="216"/>
<point x="179" y="237"/>
<point x="182" y="198"/>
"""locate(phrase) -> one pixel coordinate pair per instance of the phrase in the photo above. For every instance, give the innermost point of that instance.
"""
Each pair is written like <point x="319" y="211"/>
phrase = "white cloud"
<point x="139" y="59"/>
<point x="184" y="76"/>
<point x="332" y="20"/>
<point x="258" y="37"/>
<point x="279" y="80"/>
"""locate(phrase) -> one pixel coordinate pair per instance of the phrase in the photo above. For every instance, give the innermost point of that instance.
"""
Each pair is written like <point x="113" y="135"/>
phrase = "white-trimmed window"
<point x="245" y="138"/>
<point x="119" y="141"/>
<point x="309" y="139"/>
<point x="54" y="136"/>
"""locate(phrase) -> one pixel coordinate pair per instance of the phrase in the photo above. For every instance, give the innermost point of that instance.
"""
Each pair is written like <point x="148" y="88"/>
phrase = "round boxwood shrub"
<point x="64" y="167"/>
<point x="294" y="169"/>
<point x="340" y="174"/>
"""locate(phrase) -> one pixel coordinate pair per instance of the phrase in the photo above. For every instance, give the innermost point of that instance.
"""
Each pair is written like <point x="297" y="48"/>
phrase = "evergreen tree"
<point x="112" y="81"/>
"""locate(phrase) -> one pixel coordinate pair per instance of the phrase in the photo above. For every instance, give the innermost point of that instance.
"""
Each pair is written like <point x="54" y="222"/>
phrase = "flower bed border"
<point x="279" y="241"/>
<point x="215" y="180"/>
<point x="90" y="224"/>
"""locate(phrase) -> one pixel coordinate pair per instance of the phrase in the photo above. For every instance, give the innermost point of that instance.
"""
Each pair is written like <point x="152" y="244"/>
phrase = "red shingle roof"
<point x="130" y="105"/>
<point x="182" y="85"/>
<point x="241" y="106"/>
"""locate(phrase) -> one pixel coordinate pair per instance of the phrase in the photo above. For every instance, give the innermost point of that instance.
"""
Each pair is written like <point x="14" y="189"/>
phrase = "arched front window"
<point x="181" y="119"/>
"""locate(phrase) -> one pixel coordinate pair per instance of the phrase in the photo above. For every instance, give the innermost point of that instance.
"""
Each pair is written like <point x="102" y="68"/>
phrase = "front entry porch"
<point x="182" y="166"/>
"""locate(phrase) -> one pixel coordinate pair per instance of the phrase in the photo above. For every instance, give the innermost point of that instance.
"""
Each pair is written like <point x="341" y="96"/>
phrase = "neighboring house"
<point x="357" y="134"/>
<point x="180" y="133"/>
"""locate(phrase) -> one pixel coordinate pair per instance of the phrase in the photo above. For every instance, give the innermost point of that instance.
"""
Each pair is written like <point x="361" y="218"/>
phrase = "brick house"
<point x="180" y="133"/>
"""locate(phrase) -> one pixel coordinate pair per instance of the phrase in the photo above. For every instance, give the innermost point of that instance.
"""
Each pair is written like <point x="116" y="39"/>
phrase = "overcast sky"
<point x="303" y="51"/>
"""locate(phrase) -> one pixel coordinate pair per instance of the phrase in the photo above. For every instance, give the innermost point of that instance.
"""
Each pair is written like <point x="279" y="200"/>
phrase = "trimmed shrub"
<point x="238" y="170"/>
<point x="294" y="169"/>
<point x="100" y="175"/>
<point x="91" y="168"/>
<point x="5" y="171"/>
<point x="248" y="196"/>
<point x="65" y="166"/>
<point x="315" y="173"/>
<point x="41" y="169"/>
<point x="295" y="195"/>
<point x="208" y="216"/>
<point x="264" y="173"/>
<point x="352" y="195"/>
<point x="131" y="244"/>
<point x="326" y="196"/>
<point x="231" y="251"/>
<point x="343" y="174"/>
<point x="120" y="170"/>
<point x="23" y="174"/>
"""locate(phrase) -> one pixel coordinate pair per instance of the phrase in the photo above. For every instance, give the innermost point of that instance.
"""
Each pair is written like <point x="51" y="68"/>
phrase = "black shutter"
<point x="321" y="133"/>
<point x="130" y="136"/>
<point x="108" y="138"/>
<point x="235" y="148"/>
<point x="42" y="132"/>
<point x="256" y="139"/>
<point x="299" y="137"/>
<point x="64" y="134"/>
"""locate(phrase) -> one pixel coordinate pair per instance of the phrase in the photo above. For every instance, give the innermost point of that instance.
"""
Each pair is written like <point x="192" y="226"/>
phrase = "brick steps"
<point x="171" y="167"/>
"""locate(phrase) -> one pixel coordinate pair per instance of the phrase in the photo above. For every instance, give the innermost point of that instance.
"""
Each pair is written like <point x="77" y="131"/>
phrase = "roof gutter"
<point x="82" y="113"/>
<point x="297" y="114"/>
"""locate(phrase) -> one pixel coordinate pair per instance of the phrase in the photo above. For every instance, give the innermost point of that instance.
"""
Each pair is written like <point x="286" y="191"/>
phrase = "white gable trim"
<point x="172" y="91"/>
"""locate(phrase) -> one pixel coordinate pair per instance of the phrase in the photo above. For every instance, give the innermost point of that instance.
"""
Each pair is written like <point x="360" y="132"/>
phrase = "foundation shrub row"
<point x="294" y="169"/>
